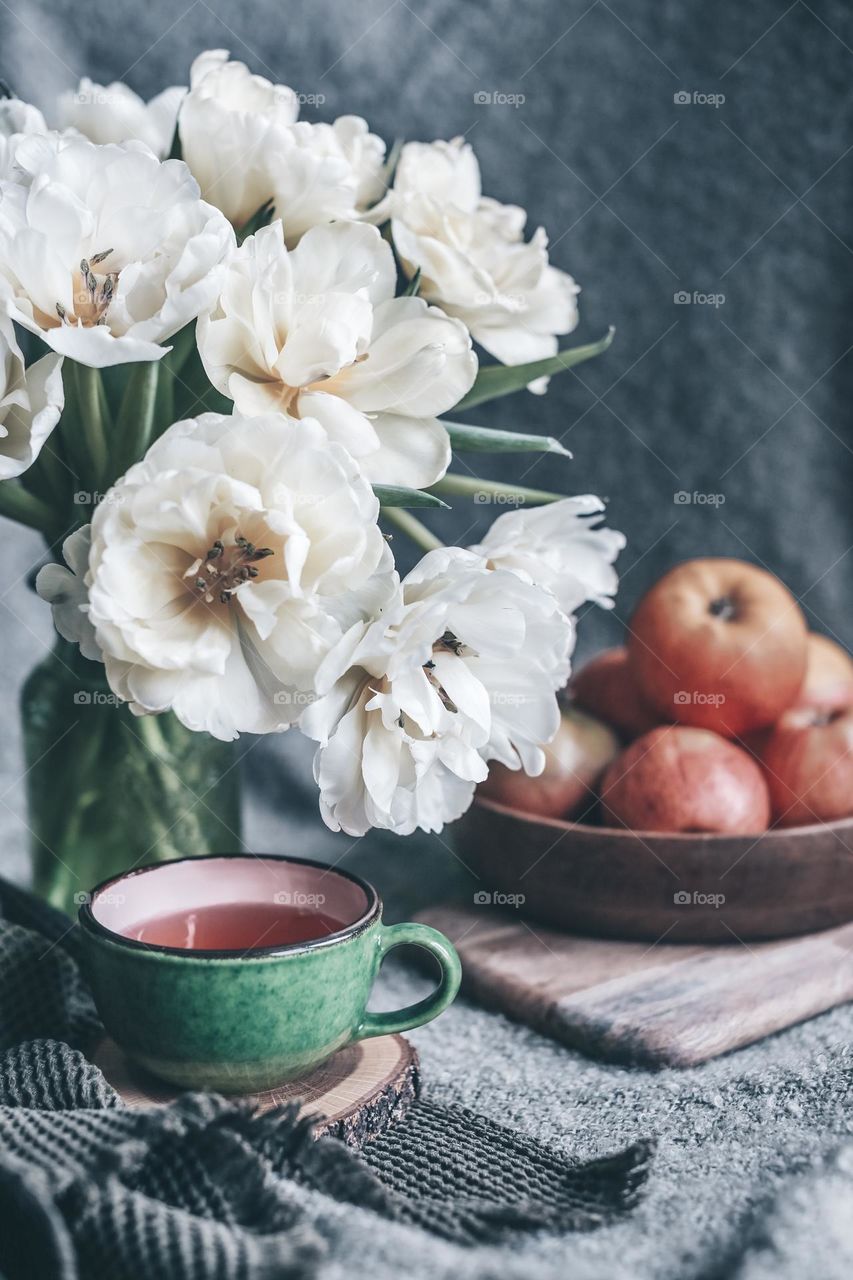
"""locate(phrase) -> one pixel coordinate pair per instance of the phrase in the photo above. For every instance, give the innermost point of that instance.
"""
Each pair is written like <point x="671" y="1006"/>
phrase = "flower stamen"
<point x="452" y="644"/>
<point x="92" y="294"/>
<point x="446" y="643"/>
<point x="227" y="568"/>
<point x="444" y="697"/>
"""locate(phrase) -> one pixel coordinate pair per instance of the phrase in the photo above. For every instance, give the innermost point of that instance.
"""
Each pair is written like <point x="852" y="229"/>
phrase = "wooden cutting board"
<point x="649" y="1005"/>
<point x="359" y="1092"/>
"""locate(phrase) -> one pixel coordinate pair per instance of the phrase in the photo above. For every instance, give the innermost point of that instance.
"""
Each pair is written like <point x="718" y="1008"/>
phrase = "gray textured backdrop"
<point x="751" y="400"/>
<point x="644" y="198"/>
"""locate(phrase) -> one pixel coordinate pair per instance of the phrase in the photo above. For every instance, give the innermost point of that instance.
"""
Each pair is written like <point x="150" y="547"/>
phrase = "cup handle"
<point x="415" y="1015"/>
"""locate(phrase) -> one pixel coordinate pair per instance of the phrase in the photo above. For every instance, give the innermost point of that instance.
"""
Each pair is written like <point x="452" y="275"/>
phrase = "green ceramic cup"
<point x="243" y="1020"/>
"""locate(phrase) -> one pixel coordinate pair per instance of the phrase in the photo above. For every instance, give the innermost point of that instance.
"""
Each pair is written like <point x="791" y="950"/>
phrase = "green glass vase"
<point x="107" y="790"/>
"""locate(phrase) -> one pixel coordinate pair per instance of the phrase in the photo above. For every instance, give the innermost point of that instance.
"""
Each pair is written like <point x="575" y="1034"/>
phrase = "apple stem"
<point x="723" y="608"/>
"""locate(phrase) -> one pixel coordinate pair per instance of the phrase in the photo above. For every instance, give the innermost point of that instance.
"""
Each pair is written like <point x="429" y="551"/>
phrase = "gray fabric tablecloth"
<point x="203" y="1188"/>
<point x="753" y="1171"/>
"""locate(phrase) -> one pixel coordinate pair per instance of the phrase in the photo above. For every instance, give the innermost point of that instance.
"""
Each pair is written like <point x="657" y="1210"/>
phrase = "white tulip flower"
<point x="31" y="401"/>
<point x="224" y="567"/>
<point x="241" y="138"/>
<point x="105" y="251"/>
<point x="17" y="119"/>
<point x="317" y="331"/>
<point x="461" y="667"/>
<point x="472" y="256"/>
<point x="561" y="547"/>
<point x="325" y="172"/>
<point x="232" y="124"/>
<point x="114" y="113"/>
<point x="66" y="592"/>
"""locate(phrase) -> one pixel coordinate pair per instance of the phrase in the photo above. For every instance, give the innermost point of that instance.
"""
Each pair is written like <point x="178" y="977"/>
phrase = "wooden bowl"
<point x="685" y="888"/>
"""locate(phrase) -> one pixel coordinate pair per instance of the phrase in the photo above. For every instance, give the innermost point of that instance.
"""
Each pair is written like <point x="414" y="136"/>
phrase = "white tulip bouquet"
<point x="243" y="334"/>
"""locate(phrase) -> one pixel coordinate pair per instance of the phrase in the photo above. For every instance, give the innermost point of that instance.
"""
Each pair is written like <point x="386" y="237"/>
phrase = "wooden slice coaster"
<point x="359" y="1092"/>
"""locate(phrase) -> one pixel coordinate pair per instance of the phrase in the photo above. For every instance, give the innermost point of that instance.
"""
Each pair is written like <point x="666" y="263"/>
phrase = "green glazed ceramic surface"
<point x="242" y="1022"/>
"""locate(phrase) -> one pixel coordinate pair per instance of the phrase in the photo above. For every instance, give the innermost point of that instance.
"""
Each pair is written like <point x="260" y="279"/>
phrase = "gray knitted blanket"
<point x="205" y="1189"/>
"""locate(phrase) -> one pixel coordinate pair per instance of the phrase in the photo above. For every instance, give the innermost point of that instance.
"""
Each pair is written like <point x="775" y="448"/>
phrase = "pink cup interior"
<point x="128" y="902"/>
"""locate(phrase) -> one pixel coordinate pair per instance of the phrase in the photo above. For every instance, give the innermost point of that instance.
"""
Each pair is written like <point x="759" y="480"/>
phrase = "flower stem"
<point x="412" y="527"/>
<point x="183" y="345"/>
<point x="26" y="508"/>
<point x="483" y="490"/>
<point x="135" y="425"/>
<point x="92" y="404"/>
<point x="53" y="475"/>
<point x="151" y="735"/>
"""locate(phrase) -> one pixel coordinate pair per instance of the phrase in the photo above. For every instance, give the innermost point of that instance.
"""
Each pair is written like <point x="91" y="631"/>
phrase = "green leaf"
<point x="395" y="495"/>
<point x="411" y="289"/>
<point x="503" y="379"/>
<point x="259" y="219"/>
<point x="487" y="491"/>
<point x="469" y="439"/>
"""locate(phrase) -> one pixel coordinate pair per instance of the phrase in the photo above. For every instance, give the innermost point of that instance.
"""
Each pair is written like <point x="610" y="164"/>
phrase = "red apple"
<point x="829" y="674"/>
<point x="606" y="686"/>
<point x="574" y="762"/>
<point x="808" y="761"/>
<point x="678" y="778"/>
<point x="719" y="644"/>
